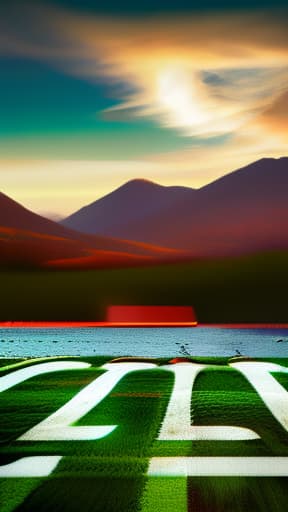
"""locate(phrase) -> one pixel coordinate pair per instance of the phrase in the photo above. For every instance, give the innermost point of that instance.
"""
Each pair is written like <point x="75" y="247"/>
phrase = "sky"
<point x="93" y="95"/>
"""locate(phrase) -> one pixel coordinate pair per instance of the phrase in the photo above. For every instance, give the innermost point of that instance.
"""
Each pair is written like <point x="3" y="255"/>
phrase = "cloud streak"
<point x="166" y="62"/>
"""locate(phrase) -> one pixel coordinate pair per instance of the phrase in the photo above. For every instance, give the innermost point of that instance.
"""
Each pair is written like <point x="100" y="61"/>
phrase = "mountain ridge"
<point x="28" y="239"/>
<point x="243" y="210"/>
<point x="142" y="196"/>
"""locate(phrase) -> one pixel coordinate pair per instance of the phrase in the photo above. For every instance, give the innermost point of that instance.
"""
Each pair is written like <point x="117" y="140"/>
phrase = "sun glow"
<point x="178" y="94"/>
<point x="185" y="102"/>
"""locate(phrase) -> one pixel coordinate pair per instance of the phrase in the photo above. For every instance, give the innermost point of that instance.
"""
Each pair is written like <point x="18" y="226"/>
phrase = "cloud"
<point x="204" y="74"/>
<point x="166" y="61"/>
<point x="275" y="117"/>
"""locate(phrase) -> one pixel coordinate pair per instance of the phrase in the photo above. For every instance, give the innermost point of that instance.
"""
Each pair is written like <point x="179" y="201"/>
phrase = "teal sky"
<point x="47" y="114"/>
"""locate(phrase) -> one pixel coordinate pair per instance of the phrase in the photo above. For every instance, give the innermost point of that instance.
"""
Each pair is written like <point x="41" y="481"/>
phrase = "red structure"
<point x="125" y="316"/>
<point x="151" y="316"/>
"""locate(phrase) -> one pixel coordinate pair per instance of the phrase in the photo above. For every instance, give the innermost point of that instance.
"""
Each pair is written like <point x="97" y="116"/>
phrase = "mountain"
<point x="136" y="201"/>
<point x="14" y="215"/>
<point x="244" y="211"/>
<point x="27" y="239"/>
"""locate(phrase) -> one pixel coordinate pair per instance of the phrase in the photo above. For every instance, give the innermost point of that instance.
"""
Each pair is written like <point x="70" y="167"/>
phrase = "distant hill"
<point x="14" y="215"/>
<point x="27" y="239"/>
<point x="136" y="201"/>
<point x="244" y="211"/>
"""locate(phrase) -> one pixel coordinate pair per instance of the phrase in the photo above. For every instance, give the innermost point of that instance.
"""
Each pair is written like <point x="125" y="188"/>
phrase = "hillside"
<point x="134" y="202"/>
<point x="243" y="211"/>
<point x="27" y="239"/>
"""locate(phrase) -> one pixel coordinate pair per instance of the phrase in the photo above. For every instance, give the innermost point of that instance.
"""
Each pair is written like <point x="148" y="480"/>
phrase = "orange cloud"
<point x="275" y="118"/>
<point x="164" y="60"/>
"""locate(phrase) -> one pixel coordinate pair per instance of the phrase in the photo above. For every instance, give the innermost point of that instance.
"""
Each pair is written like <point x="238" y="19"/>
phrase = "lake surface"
<point x="150" y="342"/>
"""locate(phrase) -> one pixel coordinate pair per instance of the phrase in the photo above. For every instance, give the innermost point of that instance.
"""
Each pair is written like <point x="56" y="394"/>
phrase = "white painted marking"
<point x="219" y="466"/>
<point x="272" y="393"/>
<point x="19" y="376"/>
<point x="177" y="422"/>
<point x="57" y="427"/>
<point x="30" y="467"/>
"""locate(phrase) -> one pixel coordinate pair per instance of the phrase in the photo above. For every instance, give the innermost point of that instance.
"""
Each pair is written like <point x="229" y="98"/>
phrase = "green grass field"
<point x="111" y="473"/>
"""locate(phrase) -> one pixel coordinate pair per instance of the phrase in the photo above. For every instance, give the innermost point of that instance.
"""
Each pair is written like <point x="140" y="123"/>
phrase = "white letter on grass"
<point x="30" y="467"/>
<point x="219" y="466"/>
<point x="42" y="465"/>
<point x="58" y="426"/>
<point x="19" y="376"/>
<point x="177" y="422"/>
<point x="274" y="396"/>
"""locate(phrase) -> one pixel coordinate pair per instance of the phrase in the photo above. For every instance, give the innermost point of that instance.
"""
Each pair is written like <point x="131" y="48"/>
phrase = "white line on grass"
<point x="274" y="396"/>
<point x="57" y="427"/>
<point x="219" y="466"/>
<point x="19" y="376"/>
<point x="30" y="467"/>
<point x="177" y="421"/>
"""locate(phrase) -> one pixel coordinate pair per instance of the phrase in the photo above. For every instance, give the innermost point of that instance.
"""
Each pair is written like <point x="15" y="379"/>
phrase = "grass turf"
<point x="110" y="474"/>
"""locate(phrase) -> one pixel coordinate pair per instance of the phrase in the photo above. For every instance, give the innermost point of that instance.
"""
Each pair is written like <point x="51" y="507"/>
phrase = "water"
<point x="150" y="342"/>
